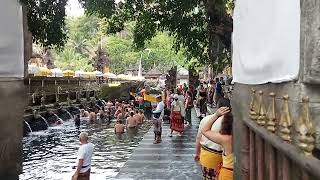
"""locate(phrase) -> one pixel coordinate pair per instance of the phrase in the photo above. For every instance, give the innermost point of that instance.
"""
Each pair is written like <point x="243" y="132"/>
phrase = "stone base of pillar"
<point x="12" y="103"/>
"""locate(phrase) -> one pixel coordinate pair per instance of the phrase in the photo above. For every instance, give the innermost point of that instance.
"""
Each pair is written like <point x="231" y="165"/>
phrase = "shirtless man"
<point x="138" y="117"/>
<point x="121" y="116"/>
<point x="127" y="114"/>
<point x="119" y="127"/>
<point x="92" y="116"/>
<point x="141" y="113"/>
<point x="131" y="121"/>
<point x="109" y="105"/>
<point x="131" y="125"/>
<point x="119" y="110"/>
<point x="84" y="113"/>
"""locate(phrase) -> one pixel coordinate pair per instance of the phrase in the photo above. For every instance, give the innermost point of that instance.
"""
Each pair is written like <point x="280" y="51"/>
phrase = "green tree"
<point x="202" y="27"/>
<point x="70" y="59"/>
<point x="46" y="21"/>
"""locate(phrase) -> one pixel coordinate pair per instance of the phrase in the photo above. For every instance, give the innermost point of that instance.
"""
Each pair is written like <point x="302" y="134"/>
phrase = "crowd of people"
<point x="214" y="139"/>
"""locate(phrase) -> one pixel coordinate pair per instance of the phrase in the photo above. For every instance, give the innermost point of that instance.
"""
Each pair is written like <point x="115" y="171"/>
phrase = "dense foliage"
<point x="86" y="33"/>
<point x="202" y="27"/>
<point x="46" y="21"/>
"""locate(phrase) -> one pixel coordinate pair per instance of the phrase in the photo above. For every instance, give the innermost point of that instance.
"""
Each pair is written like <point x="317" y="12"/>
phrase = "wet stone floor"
<point x="171" y="159"/>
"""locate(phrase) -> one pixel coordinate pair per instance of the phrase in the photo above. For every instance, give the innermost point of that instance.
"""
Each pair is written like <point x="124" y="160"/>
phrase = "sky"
<point x="74" y="8"/>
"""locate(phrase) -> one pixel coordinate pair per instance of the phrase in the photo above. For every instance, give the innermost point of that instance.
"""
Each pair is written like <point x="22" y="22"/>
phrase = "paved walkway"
<point x="172" y="159"/>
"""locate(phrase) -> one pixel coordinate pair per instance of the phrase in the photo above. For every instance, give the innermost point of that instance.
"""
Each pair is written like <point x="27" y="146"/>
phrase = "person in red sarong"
<point x="176" y="123"/>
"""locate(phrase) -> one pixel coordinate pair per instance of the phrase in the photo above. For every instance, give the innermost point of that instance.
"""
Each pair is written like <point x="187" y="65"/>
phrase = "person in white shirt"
<point x="157" y="120"/>
<point x="83" y="158"/>
<point x="209" y="153"/>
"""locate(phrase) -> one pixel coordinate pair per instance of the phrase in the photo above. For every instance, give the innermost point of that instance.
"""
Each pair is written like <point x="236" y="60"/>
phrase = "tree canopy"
<point x="201" y="27"/>
<point x="46" y="21"/>
<point x="87" y="33"/>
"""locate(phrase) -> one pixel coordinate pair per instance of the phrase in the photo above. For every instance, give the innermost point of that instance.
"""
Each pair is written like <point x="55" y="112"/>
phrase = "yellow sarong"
<point x="210" y="160"/>
<point x="225" y="174"/>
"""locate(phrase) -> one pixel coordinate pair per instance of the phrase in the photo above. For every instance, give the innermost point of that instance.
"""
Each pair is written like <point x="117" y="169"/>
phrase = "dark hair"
<point x="120" y="121"/>
<point x="189" y="93"/>
<point x="140" y="111"/>
<point x="179" y="92"/>
<point x="226" y="125"/>
<point x="137" y="111"/>
<point x="131" y="113"/>
<point x="217" y="79"/>
<point x="224" y="102"/>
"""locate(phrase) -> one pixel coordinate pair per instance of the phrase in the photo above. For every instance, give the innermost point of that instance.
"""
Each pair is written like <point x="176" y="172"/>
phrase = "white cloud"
<point x="74" y="8"/>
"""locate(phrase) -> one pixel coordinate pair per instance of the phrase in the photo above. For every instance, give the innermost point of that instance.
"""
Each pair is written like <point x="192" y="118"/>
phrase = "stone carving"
<point x="171" y="77"/>
<point x="48" y="58"/>
<point x="101" y="60"/>
<point x="261" y="119"/>
<point x="305" y="129"/>
<point x="253" y="106"/>
<point x="271" y="114"/>
<point x="285" y="120"/>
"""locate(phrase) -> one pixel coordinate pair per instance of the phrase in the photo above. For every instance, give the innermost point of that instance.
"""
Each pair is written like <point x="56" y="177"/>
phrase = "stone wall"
<point x="307" y="84"/>
<point x="13" y="101"/>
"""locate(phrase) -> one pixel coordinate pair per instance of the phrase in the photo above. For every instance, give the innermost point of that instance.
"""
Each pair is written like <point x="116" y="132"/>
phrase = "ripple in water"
<point x="50" y="154"/>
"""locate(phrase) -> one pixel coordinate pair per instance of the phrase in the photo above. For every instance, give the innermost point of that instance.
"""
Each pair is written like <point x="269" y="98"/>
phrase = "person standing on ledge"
<point x="157" y="120"/>
<point x="83" y="158"/>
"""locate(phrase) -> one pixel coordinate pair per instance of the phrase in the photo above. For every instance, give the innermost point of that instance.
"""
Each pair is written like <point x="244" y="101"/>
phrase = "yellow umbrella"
<point x="43" y="71"/>
<point x="89" y="75"/>
<point x="68" y="73"/>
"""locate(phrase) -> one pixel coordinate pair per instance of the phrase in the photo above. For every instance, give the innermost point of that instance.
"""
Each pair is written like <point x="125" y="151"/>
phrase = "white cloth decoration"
<point x="11" y="40"/>
<point x="266" y="41"/>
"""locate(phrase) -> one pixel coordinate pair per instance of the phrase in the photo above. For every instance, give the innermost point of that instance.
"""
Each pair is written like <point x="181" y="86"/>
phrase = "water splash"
<point x="30" y="130"/>
<point x="44" y="119"/>
<point x="71" y="116"/>
<point x="56" y="115"/>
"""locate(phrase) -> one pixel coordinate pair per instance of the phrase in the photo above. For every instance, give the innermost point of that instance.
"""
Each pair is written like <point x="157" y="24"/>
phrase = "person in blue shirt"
<point x="218" y="91"/>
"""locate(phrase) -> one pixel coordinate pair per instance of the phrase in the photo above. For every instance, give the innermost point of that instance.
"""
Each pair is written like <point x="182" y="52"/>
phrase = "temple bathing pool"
<point x="50" y="154"/>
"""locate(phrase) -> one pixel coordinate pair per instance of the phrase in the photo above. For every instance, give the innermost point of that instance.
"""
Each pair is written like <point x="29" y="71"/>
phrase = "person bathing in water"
<point x="84" y="113"/>
<point x="77" y="120"/>
<point x="119" y="127"/>
<point x="131" y="125"/>
<point x="141" y="113"/>
<point x="131" y="121"/>
<point x="138" y="117"/>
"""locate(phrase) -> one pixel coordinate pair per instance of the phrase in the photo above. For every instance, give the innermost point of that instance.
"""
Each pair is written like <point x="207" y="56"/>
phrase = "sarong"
<point x="84" y="176"/>
<point x="132" y="132"/>
<point x="188" y="115"/>
<point x="203" y="106"/>
<point x="217" y="97"/>
<point x="225" y="174"/>
<point x="176" y="122"/>
<point x="210" y="161"/>
<point x="157" y="125"/>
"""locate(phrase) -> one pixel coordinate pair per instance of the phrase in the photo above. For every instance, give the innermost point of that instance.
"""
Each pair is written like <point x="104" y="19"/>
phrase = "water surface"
<point x="50" y="154"/>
